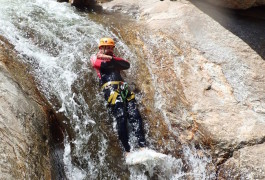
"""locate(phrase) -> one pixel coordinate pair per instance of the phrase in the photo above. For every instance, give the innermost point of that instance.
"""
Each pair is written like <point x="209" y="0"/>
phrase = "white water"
<point x="56" y="41"/>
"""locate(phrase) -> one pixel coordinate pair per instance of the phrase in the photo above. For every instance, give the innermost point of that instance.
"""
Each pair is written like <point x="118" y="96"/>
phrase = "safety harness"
<point x="121" y="90"/>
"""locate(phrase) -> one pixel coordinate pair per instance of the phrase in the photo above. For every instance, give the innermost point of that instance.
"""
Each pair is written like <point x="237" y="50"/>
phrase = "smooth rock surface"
<point x="201" y="73"/>
<point x="24" y="149"/>
<point x="246" y="163"/>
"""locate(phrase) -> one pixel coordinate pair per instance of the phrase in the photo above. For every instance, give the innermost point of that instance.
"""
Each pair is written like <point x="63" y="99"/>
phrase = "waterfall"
<point x="56" y="41"/>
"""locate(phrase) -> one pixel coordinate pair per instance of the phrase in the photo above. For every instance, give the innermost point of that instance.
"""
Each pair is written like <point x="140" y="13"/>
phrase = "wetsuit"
<point x="122" y="109"/>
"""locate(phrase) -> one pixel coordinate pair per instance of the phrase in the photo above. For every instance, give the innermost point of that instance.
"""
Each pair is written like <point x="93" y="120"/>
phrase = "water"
<point x="56" y="41"/>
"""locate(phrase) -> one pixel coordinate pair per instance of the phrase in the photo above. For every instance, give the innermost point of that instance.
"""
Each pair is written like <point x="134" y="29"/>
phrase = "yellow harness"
<point x="110" y="83"/>
<point x="121" y="90"/>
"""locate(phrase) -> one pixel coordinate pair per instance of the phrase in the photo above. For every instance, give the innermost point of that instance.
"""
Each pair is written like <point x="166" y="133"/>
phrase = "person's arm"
<point x="102" y="61"/>
<point x="104" y="57"/>
<point x="95" y="62"/>
<point x="120" y="63"/>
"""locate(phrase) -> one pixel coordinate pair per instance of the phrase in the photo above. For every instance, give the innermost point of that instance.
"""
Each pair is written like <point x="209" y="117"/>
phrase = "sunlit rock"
<point x="246" y="163"/>
<point x="203" y="75"/>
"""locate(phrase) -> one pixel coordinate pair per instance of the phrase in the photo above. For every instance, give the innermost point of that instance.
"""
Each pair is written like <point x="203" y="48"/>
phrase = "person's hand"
<point x="104" y="57"/>
<point x="108" y="57"/>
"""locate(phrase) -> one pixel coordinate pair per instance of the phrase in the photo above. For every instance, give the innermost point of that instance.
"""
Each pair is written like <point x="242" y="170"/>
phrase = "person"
<point x="120" y="99"/>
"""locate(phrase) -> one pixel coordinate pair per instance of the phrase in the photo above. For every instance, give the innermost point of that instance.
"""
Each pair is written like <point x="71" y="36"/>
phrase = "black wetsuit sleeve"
<point x="115" y="64"/>
<point x="120" y="63"/>
<point x="105" y="65"/>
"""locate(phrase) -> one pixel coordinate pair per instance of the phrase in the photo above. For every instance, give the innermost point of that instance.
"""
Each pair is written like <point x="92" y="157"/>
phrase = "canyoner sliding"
<point x="55" y="40"/>
<point x="121" y="101"/>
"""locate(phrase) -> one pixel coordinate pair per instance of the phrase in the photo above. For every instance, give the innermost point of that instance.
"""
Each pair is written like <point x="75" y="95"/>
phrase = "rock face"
<point x="24" y="131"/>
<point x="247" y="163"/>
<point x="238" y="4"/>
<point x="202" y="73"/>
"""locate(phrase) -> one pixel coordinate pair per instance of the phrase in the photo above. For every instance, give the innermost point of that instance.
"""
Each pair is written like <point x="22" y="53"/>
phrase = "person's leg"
<point x="136" y="122"/>
<point x="119" y="112"/>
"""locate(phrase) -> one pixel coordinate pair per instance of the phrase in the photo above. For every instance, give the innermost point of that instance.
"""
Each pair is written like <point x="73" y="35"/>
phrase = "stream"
<point x="56" y="41"/>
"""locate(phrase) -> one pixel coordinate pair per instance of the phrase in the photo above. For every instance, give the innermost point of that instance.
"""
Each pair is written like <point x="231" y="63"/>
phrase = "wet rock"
<point x="24" y="149"/>
<point x="82" y="3"/>
<point x="201" y="73"/>
<point x="238" y="4"/>
<point x="246" y="163"/>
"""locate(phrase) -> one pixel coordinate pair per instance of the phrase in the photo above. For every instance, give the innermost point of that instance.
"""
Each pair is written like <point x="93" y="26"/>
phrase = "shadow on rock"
<point x="89" y="5"/>
<point x="248" y="25"/>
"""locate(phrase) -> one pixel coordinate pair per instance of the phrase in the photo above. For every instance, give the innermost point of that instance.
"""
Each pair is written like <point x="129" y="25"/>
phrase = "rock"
<point x="257" y="12"/>
<point x="238" y="4"/>
<point x="202" y="73"/>
<point x="246" y="163"/>
<point x="82" y="3"/>
<point x="24" y="131"/>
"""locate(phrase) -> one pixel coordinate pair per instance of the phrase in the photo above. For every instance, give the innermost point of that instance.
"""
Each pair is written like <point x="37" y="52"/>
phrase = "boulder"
<point x="246" y="163"/>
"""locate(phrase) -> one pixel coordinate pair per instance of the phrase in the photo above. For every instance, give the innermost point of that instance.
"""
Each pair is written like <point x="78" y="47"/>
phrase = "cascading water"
<point x="56" y="41"/>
